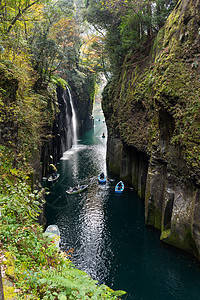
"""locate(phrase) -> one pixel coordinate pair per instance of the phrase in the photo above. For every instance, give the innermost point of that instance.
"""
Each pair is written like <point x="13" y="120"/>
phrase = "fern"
<point x="76" y="284"/>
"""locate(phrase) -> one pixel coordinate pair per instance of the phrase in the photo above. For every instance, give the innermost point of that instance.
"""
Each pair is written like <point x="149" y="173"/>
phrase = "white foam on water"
<point x="75" y="148"/>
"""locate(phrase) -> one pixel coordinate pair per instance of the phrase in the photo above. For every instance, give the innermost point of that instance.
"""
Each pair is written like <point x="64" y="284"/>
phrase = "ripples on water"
<point x="107" y="232"/>
<point x="84" y="229"/>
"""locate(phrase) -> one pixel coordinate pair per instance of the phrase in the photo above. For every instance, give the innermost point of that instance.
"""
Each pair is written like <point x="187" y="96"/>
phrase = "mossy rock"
<point x="10" y="270"/>
<point x="165" y="234"/>
<point x="9" y="290"/>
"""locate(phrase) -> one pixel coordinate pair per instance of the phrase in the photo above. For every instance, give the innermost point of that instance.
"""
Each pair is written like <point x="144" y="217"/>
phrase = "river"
<point x="106" y="233"/>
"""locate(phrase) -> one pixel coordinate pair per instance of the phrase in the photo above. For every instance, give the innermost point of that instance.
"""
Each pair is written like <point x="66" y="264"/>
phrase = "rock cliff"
<point x="152" y="114"/>
<point x="62" y="128"/>
<point x="39" y="123"/>
<point x="82" y="86"/>
<point x="60" y="133"/>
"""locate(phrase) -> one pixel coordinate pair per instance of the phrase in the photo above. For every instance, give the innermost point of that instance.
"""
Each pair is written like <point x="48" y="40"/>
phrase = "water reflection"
<point x="93" y="237"/>
<point x="108" y="233"/>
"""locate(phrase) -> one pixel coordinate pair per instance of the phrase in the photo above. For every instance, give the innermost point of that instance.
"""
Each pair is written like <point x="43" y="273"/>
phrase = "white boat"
<point x="77" y="189"/>
<point x="53" y="179"/>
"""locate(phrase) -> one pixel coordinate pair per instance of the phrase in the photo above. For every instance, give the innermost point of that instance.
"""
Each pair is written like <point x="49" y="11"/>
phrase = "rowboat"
<point x="53" y="233"/>
<point x="77" y="189"/>
<point x="102" y="178"/>
<point x="53" y="179"/>
<point x="119" y="187"/>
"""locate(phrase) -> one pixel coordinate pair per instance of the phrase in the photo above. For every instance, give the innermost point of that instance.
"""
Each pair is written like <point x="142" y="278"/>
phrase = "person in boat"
<point x="102" y="175"/>
<point x="103" y="135"/>
<point x="119" y="186"/>
<point x="76" y="188"/>
<point x="53" y="170"/>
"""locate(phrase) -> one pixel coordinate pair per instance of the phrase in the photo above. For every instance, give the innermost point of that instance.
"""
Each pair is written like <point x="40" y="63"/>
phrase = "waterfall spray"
<point x="74" y="123"/>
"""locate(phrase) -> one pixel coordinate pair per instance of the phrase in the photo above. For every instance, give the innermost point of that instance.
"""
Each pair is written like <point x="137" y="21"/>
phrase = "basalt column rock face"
<point x="129" y="163"/>
<point x="62" y="132"/>
<point x="82" y="87"/>
<point x="152" y="114"/>
<point x="62" y="127"/>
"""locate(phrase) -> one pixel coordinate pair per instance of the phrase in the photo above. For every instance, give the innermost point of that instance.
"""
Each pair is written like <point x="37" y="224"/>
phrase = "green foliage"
<point x="39" y="269"/>
<point x="43" y="33"/>
<point x="129" y="25"/>
<point x="66" y="281"/>
<point x="59" y="81"/>
<point x="37" y="41"/>
<point x="10" y="174"/>
<point x="162" y="11"/>
<point x="129" y="32"/>
<point x="12" y="13"/>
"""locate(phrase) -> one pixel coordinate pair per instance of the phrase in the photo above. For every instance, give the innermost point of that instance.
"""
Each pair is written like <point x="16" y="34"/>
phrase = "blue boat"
<point x="102" y="178"/>
<point x="119" y="187"/>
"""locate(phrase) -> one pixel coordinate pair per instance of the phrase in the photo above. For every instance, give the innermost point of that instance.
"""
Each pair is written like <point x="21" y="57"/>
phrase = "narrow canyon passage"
<point x="106" y="232"/>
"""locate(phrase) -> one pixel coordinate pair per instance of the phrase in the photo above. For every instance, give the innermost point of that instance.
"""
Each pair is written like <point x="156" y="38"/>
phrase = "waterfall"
<point x="74" y="123"/>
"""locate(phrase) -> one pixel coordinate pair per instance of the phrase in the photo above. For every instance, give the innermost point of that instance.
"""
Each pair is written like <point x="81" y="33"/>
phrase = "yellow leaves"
<point x="21" y="67"/>
<point x="14" y="171"/>
<point x="65" y="31"/>
<point x="92" y="52"/>
<point x="36" y="11"/>
<point x="1" y="101"/>
<point x="62" y="24"/>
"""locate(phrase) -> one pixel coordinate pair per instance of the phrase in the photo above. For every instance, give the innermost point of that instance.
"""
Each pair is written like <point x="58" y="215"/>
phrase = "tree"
<point x="54" y="40"/>
<point x="93" y="54"/>
<point x="130" y="25"/>
<point x="12" y="12"/>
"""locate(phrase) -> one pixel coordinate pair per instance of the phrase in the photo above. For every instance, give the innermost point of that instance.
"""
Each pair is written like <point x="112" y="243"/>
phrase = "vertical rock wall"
<point x="130" y="164"/>
<point x="82" y="86"/>
<point x="152" y="114"/>
<point x="171" y="204"/>
<point x="61" y="138"/>
<point x="62" y="132"/>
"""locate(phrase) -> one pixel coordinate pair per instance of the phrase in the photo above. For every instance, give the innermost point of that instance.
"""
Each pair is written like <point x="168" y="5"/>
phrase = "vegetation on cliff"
<point x="33" y="264"/>
<point x="155" y="75"/>
<point x="151" y="102"/>
<point x="129" y="27"/>
<point x="162" y="90"/>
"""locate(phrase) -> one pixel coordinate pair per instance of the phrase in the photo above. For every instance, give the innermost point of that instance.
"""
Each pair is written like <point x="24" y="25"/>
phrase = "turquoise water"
<point x="107" y="234"/>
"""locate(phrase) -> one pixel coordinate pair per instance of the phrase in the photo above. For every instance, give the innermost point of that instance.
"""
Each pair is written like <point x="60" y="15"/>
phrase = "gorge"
<point x="105" y="232"/>
<point x="144" y="112"/>
<point x="49" y="57"/>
